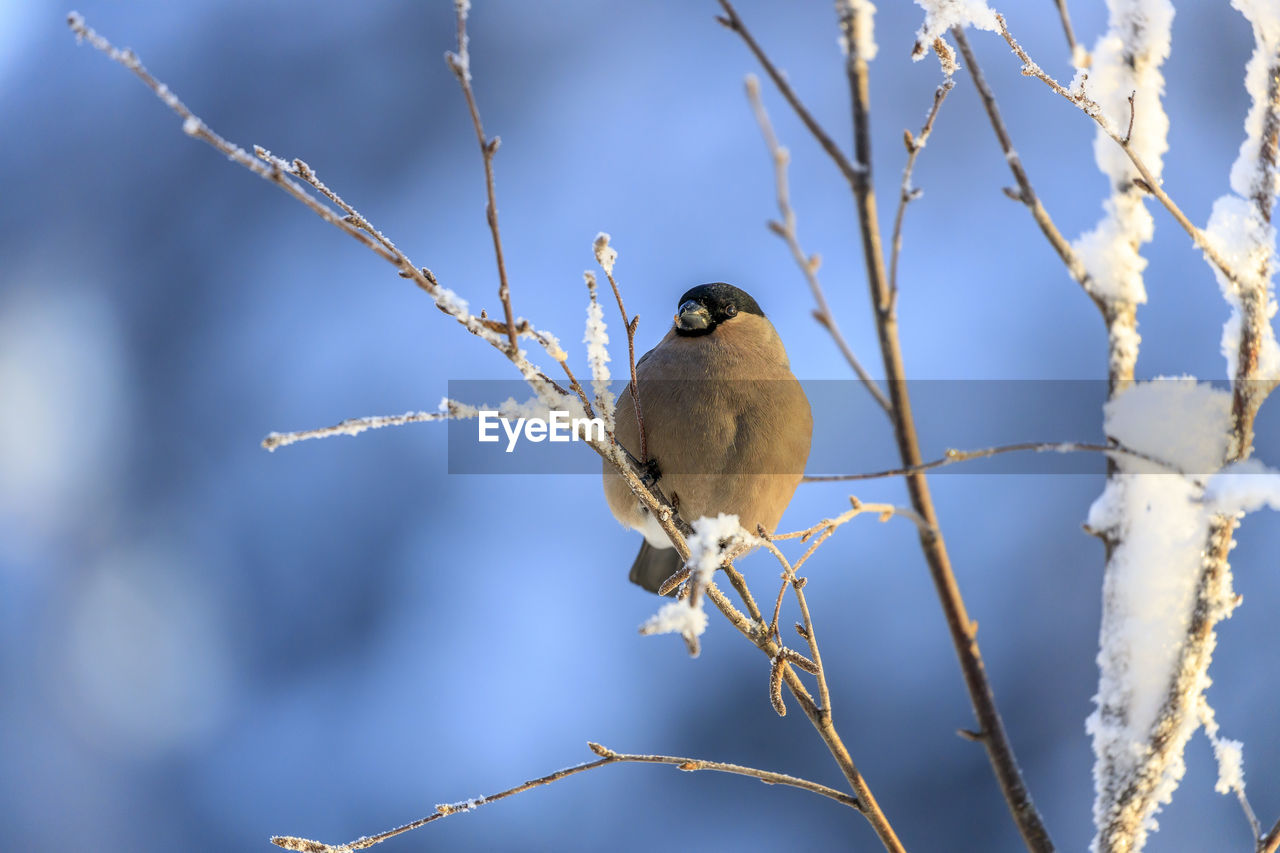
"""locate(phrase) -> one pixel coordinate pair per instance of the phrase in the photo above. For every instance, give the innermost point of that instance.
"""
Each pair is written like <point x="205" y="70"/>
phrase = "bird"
<point x="727" y="425"/>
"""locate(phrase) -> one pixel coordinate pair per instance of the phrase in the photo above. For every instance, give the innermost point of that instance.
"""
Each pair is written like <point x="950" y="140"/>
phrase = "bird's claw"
<point x="650" y="473"/>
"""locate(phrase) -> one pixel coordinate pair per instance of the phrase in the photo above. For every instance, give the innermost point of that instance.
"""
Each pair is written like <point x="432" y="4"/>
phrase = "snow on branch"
<point x="1168" y="581"/>
<point x="1241" y="230"/>
<point x="942" y="15"/>
<point x="596" y="338"/>
<point x="1230" y="757"/>
<point x="1158" y="523"/>
<point x="712" y="542"/>
<point x="1126" y="85"/>
<point x="1244" y="487"/>
<point x="354" y="426"/>
<point x="863" y="40"/>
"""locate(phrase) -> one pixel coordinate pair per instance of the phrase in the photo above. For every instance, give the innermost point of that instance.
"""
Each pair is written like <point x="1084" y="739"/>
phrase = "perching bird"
<point x="727" y="425"/>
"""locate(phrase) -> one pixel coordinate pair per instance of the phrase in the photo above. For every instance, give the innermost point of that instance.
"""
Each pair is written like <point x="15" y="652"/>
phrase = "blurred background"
<point x="203" y="644"/>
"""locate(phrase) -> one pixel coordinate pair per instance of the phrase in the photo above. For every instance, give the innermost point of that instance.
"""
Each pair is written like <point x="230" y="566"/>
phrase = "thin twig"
<point x="460" y="64"/>
<point x="821" y="721"/>
<point x="744" y="592"/>
<point x="786" y="229"/>
<point x="607" y="757"/>
<point x="797" y="584"/>
<point x="825" y="528"/>
<point x="1092" y="109"/>
<point x="954" y="456"/>
<point x="915" y="144"/>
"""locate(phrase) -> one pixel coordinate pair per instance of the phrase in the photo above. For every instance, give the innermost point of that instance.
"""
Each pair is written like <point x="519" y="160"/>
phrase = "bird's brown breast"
<point x="726" y="420"/>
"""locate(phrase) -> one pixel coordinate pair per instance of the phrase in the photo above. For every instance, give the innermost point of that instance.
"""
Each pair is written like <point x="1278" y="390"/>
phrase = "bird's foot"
<point x="650" y="473"/>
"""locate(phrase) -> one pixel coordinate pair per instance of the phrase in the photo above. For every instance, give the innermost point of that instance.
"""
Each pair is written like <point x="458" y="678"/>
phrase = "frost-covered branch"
<point x="607" y="256"/>
<point x="354" y="426"/>
<point x="1230" y="757"/>
<point x="1240" y="226"/>
<point x="786" y="229"/>
<point x="596" y="337"/>
<point x="607" y="757"/>
<point x="1162" y="592"/>
<point x="1168" y="580"/>
<point x="1076" y="95"/>
<point x="1125" y="78"/>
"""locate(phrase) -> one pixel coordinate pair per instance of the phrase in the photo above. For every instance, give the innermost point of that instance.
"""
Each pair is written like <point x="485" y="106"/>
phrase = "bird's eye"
<point x="730" y="310"/>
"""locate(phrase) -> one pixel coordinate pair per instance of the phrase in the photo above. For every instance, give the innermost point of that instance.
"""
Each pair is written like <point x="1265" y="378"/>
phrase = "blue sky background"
<point x="202" y="645"/>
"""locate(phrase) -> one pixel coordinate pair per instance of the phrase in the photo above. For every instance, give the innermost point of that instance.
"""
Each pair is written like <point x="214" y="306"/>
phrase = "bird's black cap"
<point x="721" y="300"/>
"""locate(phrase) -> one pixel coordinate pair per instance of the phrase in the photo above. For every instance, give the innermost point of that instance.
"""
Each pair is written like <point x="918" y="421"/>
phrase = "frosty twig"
<point x="607" y="757"/>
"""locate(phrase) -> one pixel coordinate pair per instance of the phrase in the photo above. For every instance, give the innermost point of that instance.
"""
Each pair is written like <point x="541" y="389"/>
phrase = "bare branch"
<point x="997" y="745"/>
<point x="1070" y="33"/>
<point x="954" y="456"/>
<point x="915" y="144"/>
<point x="460" y="64"/>
<point x="786" y="229"/>
<point x="607" y="756"/>
<point x="797" y="584"/>
<point x="819" y="715"/>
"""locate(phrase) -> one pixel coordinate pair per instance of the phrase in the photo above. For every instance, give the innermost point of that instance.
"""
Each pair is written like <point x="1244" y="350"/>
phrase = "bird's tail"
<point x="653" y="566"/>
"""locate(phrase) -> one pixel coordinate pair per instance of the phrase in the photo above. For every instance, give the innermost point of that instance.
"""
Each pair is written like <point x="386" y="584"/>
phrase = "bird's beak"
<point x="693" y="316"/>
